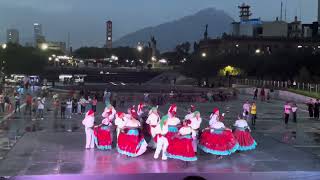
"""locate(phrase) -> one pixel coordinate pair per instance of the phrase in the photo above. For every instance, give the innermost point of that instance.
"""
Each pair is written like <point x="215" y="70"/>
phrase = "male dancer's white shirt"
<point x="153" y="119"/>
<point x="162" y="141"/>
<point x="88" y="123"/>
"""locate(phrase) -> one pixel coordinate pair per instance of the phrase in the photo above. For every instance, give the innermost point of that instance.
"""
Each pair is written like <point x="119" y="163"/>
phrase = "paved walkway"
<point x="48" y="148"/>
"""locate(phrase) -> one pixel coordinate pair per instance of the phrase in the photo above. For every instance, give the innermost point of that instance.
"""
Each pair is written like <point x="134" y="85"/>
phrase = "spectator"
<point x="69" y="108"/>
<point x="74" y="105"/>
<point x="41" y="103"/>
<point x="83" y="103"/>
<point x="1" y="102"/>
<point x="17" y="103"/>
<point x="34" y="109"/>
<point x="316" y="109"/>
<point x="294" y="109"/>
<point x="56" y="105"/>
<point x="255" y="96"/>
<point x="310" y="105"/>
<point x="262" y="95"/>
<point x="287" y="110"/>
<point x="28" y="104"/>
<point x="7" y="103"/>
<point x="63" y="109"/>
<point x="246" y="110"/>
<point x="253" y="113"/>
<point x="94" y="103"/>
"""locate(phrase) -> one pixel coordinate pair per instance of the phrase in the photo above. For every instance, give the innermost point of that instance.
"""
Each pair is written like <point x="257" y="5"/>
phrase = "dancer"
<point x="109" y="112"/>
<point x="243" y="135"/>
<point x="153" y="121"/>
<point x="195" y="125"/>
<point x="88" y="123"/>
<point x="190" y="114"/>
<point x="102" y="133"/>
<point x="215" y="116"/>
<point x="131" y="141"/>
<point x="119" y="122"/>
<point x="140" y="110"/>
<point x="162" y="142"/>
<point x="218" y="140"/>
<point x="180" y="147"/>
<point x="173" y="122"/>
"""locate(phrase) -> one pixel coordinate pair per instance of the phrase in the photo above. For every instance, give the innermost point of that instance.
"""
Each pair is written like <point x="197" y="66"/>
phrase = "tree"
<point x="304" y="75"/>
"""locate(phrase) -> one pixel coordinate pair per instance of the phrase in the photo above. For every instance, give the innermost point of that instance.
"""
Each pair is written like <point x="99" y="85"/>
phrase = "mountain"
<point x="189" y="28"/>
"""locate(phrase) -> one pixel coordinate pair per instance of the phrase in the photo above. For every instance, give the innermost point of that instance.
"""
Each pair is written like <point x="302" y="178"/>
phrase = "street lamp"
<point x="258" y="51"/>
<point x="44" y="46"/>
<point x="4" y="46"/>
<point x="139" y="48"/>
<point x="204" y="54"/>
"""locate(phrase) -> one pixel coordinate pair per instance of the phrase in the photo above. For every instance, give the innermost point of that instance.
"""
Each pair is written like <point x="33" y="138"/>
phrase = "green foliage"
<point x="23" y="60"/>
<point x="306" y="93"/>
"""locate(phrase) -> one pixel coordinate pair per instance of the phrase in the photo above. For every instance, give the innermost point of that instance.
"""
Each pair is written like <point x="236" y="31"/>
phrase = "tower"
<point x="38" y="37"/>
<point x="244" y="12"/>
<point x="13" y="36"/>
<point x="109" y="34"/>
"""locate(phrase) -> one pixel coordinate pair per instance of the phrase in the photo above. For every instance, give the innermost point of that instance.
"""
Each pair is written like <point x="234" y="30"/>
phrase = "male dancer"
<point x="162" y="142"/>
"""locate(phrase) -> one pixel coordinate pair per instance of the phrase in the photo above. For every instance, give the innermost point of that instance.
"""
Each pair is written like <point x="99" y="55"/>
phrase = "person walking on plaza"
<point x="69" y="108"/>
<point x="56" y="105"/>
<point x="255" y="96"/>
<point x="41" y="103"/>
<point x="1" y="102"/>
<point x="88" y="123"/>
<point x="310" y="105"/>
<point x="17" y="103"/>
<point x="34" y="109"/>
<point x="287" y="110"/>
<point x="28" y="104"/>
<point x="316" y="109"/>
<point x="7" y="104"/>
<point x="253" y="113"/>
<point x="294" y="109"/>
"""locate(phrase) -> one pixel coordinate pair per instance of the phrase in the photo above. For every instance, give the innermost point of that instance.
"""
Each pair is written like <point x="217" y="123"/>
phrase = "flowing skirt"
<point x="103" y="137"/>
<point x="131" y="143"/>
<point x="181" y="148"/>
<point x="245" y="140"/>
<point x="218" y="143"/>
<point x="172" y="132"/>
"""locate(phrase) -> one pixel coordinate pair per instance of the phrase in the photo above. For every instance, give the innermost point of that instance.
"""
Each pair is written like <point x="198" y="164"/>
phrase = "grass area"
<point x="306" y="93"/>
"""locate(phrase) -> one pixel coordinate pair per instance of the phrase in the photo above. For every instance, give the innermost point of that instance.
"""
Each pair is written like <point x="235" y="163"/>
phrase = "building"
<point x="109" y="34"/>
<point x="57" y="46"/>
<point x="38" y="36"/>
<point x="295" y="29"/>
<point x="256" y="46"/>
<point x="311" y="30"/>
<point x="13" y="36"/>
<point x="275" y="29"/>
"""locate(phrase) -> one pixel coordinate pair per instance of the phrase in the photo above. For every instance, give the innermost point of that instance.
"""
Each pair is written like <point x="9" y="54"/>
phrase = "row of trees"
<point x="278" y="66"/>
<point x="17" y="59"/>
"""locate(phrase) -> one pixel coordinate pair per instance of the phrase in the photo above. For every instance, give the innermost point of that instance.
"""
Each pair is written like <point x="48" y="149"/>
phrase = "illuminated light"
<point x="139" y="47"/>
<point x="163" y="61"/>
<point x="237" y="45"/>
<point x="101" y="72"/>
<point x="57" y="59"/>
<point x="4" y="46"/>
<point x="258" y="51"/>
<point x="127" y="60"/>
<point x="44" y="46"/>
<point x="318" y="47"/>
<point x="299" y="46"/>
<point x="153" y="58"/>
<point x="50" y="58"/>
<point x="204" y="54"/>
<point x="123" y="84"/>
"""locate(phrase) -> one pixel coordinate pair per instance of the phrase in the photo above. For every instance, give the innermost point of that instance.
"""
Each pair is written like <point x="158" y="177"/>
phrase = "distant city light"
<point x="101" y="72"/>
<point x="204" y="54"/>
<point x="153" y="58"/>
<point x="139" y="47"/>
<point x="258" y="51"/>
<point x="237" y="45"/>
<point x="50" y="58"/>
<point x="127" y="60"/>
<point x="163" y="61"/>
<point x="299" y="46"/>
<point x="57" y="59"/>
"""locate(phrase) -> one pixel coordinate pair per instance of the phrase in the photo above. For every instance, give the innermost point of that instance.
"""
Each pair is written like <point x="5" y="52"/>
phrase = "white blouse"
<point x="153" y="119"/>
<point x="241" y="123"/>
<point x="217" y="125"/>
<point x="195" y="123"/>
<point x="173" y="121"/>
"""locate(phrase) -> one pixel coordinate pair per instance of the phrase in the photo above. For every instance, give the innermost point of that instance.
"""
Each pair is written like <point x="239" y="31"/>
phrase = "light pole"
<point x="3" y="64"/>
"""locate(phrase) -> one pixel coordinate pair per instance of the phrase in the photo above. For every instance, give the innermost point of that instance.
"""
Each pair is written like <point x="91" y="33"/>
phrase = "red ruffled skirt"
<point x="181" y="148"/>
<point x="131" y="143"/>
<point x="245" y="140"/>
<point x="218" y="143"/>
<point x="103" y="137"/>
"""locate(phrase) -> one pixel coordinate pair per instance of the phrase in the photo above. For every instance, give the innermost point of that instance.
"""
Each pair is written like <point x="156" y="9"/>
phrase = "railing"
<point x="311" y="87"/>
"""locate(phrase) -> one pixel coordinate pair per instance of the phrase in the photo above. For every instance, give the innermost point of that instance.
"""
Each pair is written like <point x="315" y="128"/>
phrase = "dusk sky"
<point x="85" y="19"/>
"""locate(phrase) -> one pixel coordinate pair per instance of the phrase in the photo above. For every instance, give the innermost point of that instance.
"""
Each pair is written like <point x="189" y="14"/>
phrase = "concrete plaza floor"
<point x="283" y="152"/>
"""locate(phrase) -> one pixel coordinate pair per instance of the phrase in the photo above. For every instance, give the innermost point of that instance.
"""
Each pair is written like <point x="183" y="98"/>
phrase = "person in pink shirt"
<point x="287" y="111"/>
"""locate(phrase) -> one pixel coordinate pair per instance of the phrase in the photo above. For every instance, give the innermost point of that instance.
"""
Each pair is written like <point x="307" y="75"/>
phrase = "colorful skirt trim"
<point x="245" y="140"/>
<point x="103" y="138"/>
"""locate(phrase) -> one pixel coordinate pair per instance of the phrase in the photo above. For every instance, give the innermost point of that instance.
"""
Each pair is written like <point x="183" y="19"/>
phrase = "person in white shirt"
<point x="69" y="108"/>
<point x="195" y="125"/>
<point x="153" y="120"/>
<point x="41" y="103"/>
<point x="119" y="122"/>
<point x="88" y="123"/>
<point x="162" y="142"/>
<point x="294" y="109"/>
<point x="190" y="114"/>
